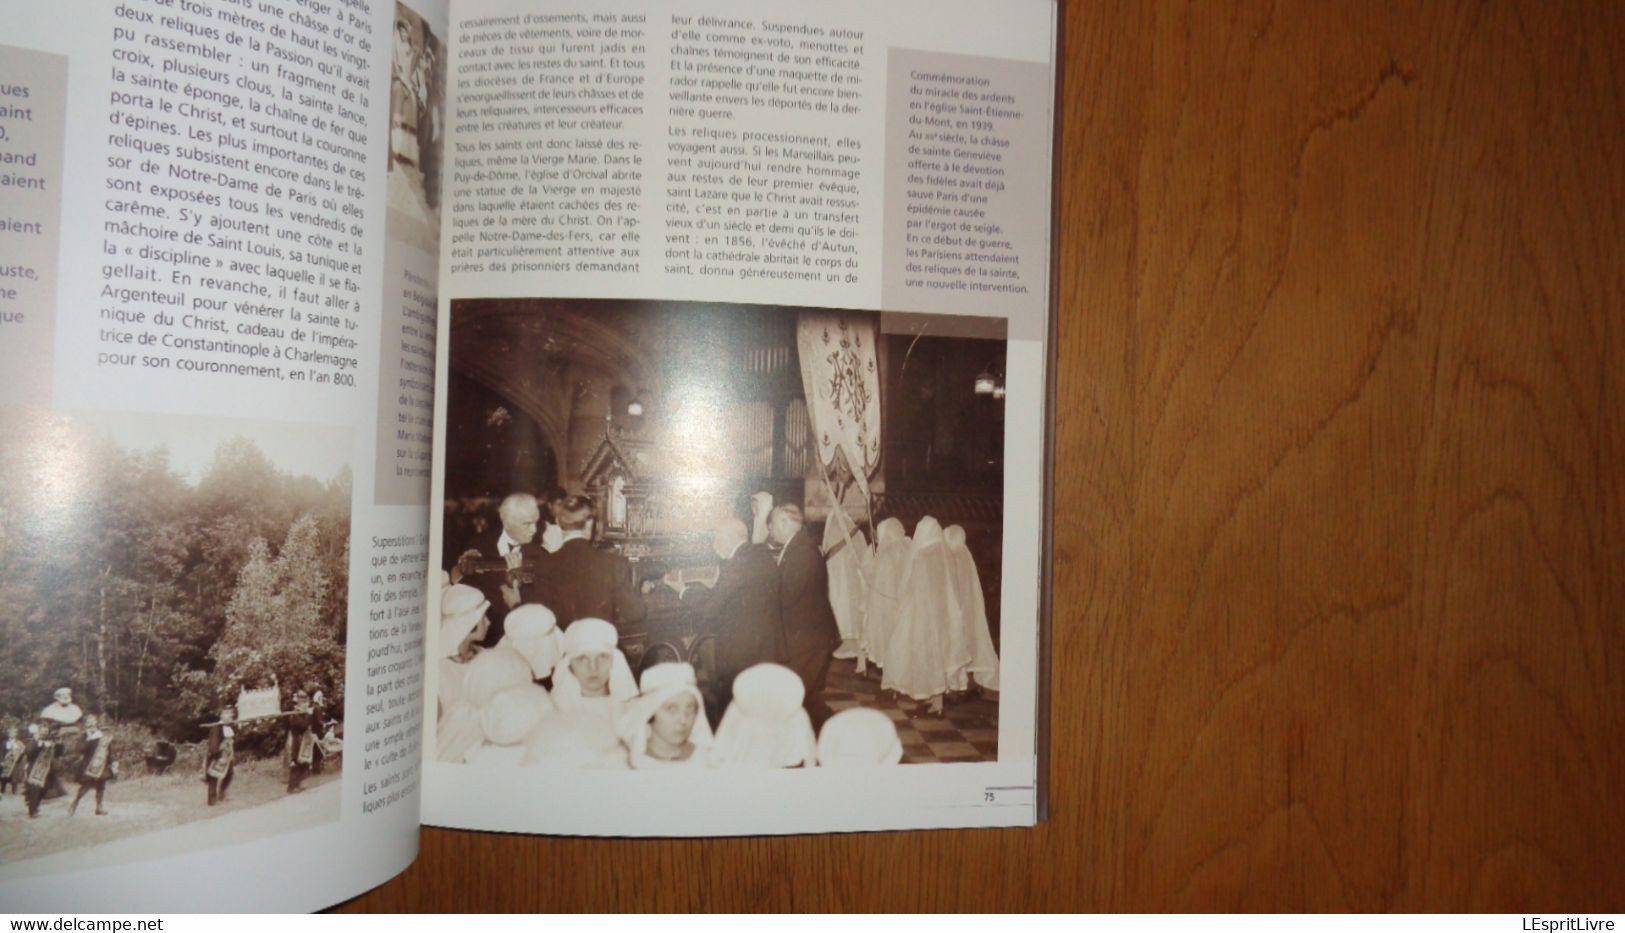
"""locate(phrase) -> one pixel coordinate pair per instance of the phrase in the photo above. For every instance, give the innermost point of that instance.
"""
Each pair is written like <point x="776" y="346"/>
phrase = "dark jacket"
<point x="809" y="622"/>
<point x="218" y="746"/>
<point x="490" y="584"/>
<point x="742" y="610"/>
<point x="581" y="582"/>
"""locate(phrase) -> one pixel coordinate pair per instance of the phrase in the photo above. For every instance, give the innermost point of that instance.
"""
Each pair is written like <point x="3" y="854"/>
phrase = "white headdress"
<point x="575" y="739"/>
<point x="461" y="609"/>
<point x="765" y="726"/>
<point x="491" y="672"/>
<point x="661" y="683"/>
<point x="890" y="566"/>
<point x="533" y="631"/>
<point x="591" y="636"/>
<point x="856" y="738"/>
<point x="511" y="715"/>
<point x="973" y="636"/>
<point x="923" y="657"/>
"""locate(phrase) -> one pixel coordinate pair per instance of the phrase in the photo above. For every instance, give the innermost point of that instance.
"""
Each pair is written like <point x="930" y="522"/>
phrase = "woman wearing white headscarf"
<point x="532" y="631"/>
<point x="666" y="724"/>
<point x="973" y="639"/>
<point x="593" y="674"/>
<point x="765" y="726"/>
<point x="462" y="625"/>
<point x="575" y="739"/>
<point x="919" y="655"/>
<point x="886" y="575"/>
<point x="859" y="738"/>
<point x="845" y="552"/>
<point x="507" y="721"/>
<point x="490" y="673"/>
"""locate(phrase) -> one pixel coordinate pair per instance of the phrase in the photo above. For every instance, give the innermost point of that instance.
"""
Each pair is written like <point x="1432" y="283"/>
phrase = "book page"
<point x="740" y="426"/>
<point x="217" y="341"/>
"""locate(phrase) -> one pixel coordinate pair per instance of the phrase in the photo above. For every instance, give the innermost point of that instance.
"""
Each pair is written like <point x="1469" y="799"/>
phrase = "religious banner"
<point x="842" y="383"/>
<point x="259" y="704"/>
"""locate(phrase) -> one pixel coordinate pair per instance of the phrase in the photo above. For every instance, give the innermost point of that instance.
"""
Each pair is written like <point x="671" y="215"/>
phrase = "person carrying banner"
<point x="219" y="765"/>
<point x="96" y="766"/>
<point x="302" y="736"/>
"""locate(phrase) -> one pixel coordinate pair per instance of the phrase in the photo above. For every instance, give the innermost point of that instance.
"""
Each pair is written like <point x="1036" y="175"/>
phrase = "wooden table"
<point x="1340" y="555"/>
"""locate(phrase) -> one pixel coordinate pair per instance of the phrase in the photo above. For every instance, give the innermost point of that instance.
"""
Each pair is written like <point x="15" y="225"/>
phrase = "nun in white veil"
<point x="593" y="675"/>
<point x="765" y="726"/>
<point x="919" y="656"/>
<point x="972" y="637"/>
<point x="845" y="552"/>
<point x="886" y="575"/>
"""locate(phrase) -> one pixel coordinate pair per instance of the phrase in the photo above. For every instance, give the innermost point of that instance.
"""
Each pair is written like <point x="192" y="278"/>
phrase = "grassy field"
<point x="139" y="805"/>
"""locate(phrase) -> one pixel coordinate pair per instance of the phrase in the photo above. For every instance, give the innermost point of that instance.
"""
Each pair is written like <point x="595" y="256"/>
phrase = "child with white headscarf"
<point x="859" y="738"/>
<point x="532" y="632"/>
<point x="970" y="637"/>
<point x="507" y="721"/>
<point x="462" y="625"/>
<point x="593" y="674"/>
<point x="765" y="726"/>
<point x="666" y="724"/>
<point x="491" y="672"/>
<point x="886" y="574"/>
<point x="919" y="657"/>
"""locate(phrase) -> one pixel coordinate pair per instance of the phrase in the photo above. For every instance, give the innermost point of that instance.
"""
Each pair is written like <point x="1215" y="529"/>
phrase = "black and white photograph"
<point x="417" y="125"/>
<point x="719" y="535"/>
<point x="172" y="633"/>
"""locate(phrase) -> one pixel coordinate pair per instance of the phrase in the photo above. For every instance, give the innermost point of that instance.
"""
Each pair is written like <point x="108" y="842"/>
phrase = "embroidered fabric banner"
<point x="259" y="704"/>
<point x="842" y="383"/>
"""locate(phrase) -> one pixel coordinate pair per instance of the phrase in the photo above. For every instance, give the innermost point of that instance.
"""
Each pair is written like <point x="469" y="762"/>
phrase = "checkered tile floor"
<point x="967" y="730"/>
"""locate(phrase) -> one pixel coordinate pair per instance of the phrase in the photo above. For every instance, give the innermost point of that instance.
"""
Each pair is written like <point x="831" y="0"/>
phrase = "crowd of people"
<point x="63" y="743"/>
<point x="532" y="674"/>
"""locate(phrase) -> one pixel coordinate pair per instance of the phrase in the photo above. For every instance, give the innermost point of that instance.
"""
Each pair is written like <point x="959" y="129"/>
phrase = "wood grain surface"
<point x="1340" y="539"/>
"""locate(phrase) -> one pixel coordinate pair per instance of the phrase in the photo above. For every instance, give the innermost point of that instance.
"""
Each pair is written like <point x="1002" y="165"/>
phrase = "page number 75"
<point x="1008" y="796"/>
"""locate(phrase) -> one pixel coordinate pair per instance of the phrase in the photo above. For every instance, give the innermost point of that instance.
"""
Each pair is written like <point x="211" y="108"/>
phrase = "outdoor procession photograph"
<point x="719" y="536"/>
<point x="172" y="633"/>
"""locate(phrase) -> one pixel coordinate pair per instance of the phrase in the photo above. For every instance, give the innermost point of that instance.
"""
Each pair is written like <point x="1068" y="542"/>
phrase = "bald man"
<point x="520" y="516"/>
<point x="741" y="609"/>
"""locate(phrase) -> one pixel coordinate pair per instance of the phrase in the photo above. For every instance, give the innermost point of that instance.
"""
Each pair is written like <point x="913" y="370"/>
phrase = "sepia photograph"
<point x="417" y="118"/>
<point x="719" y="535"/>
<point x="172" y="633"/>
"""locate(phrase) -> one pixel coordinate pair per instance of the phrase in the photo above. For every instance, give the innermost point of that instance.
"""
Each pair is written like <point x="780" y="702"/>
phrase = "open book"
<point x="614" y="418"/>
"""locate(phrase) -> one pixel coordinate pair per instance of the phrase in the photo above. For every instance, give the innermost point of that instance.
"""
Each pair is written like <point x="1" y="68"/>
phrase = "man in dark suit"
<point x="511" y="542"/>
<point x="579" y="581"/>
<point x="741" y="609"/>
<point x="809" y="622"/>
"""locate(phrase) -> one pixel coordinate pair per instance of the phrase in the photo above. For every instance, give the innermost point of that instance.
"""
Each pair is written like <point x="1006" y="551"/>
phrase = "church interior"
<point x="671" y="415"/>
